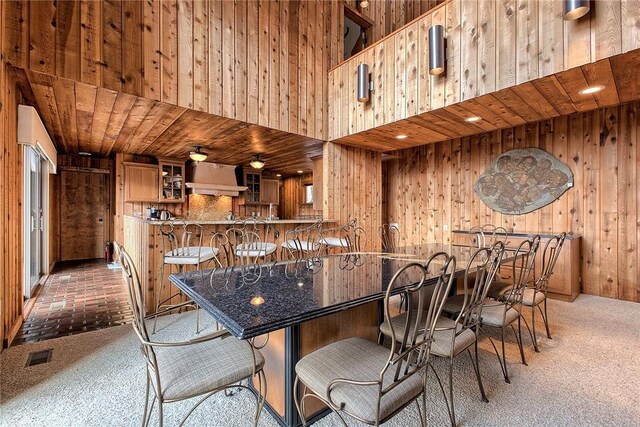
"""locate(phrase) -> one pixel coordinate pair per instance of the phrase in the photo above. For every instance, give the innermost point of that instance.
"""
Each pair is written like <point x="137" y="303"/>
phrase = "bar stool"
<point x="181" y="251"/>
<point x="349" y="237"/>
<point x="390" y="236"/>
<point x="301" y="242"/>
<point x="251" y="242"/>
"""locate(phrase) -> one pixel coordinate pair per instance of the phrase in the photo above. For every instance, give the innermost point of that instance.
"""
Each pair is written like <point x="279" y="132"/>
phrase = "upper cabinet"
<point x="270" y="191"/>
<point x="171" y="181"/>
<point x="140" y="182"/>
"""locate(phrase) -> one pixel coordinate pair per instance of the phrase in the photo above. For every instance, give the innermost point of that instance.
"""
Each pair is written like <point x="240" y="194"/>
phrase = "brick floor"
<point x="79" y="296"/>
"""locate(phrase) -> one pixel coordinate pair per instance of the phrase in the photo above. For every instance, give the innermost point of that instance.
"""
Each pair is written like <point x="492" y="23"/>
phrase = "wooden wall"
<point x="352" y="185"/>
<point x="257" y="61"/>
<point x="491" y="45"/>
<point x="11" y="249"/>
<point x="432" y="187"/>
<point x="292" y="198"/>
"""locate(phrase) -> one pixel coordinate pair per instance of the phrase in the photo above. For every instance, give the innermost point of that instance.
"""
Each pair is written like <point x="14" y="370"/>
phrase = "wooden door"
<point x="84" y="214"/>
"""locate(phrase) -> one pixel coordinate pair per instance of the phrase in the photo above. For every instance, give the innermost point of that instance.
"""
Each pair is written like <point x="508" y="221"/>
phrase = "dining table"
<point x="300" y="305"/>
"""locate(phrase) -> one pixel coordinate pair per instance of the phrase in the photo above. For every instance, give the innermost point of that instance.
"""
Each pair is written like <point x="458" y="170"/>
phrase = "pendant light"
<point x="575" y="9"/>
<point x="257" y="163"/>
<point x="198" y="155"/>
<point x="436" y="50"/>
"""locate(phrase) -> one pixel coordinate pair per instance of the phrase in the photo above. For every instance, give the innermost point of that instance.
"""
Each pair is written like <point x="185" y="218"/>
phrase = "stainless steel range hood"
<point x="213" y="179"/>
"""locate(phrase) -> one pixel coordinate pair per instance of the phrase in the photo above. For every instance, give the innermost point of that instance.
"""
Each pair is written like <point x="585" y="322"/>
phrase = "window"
<point x="308" y="194"/>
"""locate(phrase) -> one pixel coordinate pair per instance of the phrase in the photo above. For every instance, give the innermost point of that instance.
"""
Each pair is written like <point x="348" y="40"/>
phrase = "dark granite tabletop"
<point x="251" y="301"/>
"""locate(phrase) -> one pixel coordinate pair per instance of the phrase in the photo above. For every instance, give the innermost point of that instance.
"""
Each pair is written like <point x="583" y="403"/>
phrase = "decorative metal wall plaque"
<point x="523" y="180"/>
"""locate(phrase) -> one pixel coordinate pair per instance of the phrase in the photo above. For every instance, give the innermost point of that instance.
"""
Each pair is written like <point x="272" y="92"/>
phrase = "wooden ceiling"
<point x="545" y="98"/>
<point x="82" y="117"/>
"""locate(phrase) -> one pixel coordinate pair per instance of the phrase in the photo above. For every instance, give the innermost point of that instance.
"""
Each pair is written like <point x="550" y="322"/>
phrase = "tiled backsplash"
<point x="203" y="207"/>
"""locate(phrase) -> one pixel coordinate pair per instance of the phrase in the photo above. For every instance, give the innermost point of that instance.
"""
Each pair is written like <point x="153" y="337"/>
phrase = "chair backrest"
<point x="219" y="243"/>
<point x="390" y="236"/>
<point x="522" y="267"/>
<point x="410" y="352"/>
<point x="245" y="246"/>
<point x="136" y="295"/>
<point x="180" y="239"/>
<point x="479" y="236"/>
<point x="549" y="258"/>
<point x="303" y="241"/>
<point x="481" y="269"/>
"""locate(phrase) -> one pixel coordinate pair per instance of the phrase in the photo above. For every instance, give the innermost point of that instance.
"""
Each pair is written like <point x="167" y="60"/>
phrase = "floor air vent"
<point x="39" y="357"/>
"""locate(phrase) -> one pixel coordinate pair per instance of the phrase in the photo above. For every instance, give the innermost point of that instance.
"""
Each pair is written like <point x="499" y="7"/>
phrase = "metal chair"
<point x="345" y="238"/>
<point x="536" y="295"/>
<point x="390" y="236"/>
<point x="252" y="241"/>
<point x="302" y="242"/>
<point x="196" y="368"/>
<point x="181" y="249"/>
<point x="503" y="312"/>
<point x="453" y="336"/>
<point x="368" y="381"/>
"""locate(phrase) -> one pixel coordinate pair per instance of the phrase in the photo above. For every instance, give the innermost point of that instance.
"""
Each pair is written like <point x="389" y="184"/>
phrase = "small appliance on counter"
<point x="152" y="213"/>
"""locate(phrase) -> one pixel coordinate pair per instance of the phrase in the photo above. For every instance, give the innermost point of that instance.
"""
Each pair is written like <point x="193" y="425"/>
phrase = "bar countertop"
<point x="231" y="222"/>
<point x="251" y="301"/>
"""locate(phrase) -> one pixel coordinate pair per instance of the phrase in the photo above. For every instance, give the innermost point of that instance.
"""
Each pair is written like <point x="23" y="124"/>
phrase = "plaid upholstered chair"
<point x="458" y="334"/>
<point x="197" y="368"/>
<point x="368" y="381"/>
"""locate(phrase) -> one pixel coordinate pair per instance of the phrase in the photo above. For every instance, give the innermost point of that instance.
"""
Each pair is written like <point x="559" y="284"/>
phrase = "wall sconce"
<point x="364" y="83"/>
<point x="436" y="50"/>
<point x="575" y="9"/>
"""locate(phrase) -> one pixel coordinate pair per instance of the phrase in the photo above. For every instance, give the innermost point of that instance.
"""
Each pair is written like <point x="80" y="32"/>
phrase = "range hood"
<point x="213" y="179"/>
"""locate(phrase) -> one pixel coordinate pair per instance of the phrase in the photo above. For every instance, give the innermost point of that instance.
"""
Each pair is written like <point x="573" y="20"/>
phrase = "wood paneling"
<point x="292" y="198"/>
<point x="103" y="122"/>
<point x="432" y="186"/>
<point x="490" y="46"/>
<point x="11" y="259"/>
<point x="192" y="53"/>
<point x="352" y="179"/>
<point x="532" y="101"/>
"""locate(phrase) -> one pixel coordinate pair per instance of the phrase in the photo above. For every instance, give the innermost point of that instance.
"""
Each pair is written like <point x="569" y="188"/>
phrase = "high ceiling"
<point x="537" y="100"/>
<point x="82" y="117"/>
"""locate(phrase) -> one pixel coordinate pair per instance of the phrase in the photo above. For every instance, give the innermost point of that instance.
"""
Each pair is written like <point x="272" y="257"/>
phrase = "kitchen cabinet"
<point x="270" y="191"/>
<point x="140" y="182"/>
<point x="171" y="180"/>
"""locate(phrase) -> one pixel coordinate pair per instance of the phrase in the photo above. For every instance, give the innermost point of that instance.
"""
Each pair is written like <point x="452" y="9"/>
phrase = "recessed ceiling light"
<point x="473" y="119"/>
<point x="300" y="171"/>
<point x="84" y="153"/>
<point x="278" y="175"/>
<point x="401" y="137"/>
<point x="590" y="90"/>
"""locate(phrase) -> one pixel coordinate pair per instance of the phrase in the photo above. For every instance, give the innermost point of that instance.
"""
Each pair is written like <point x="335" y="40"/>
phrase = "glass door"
<point x="34" y="221"/>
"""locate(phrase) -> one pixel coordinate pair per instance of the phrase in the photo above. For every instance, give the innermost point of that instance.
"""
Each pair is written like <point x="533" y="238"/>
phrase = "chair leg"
<point x="146" y="404"/>
<point x="160" y="414"/>
<point x="519" y="339"/>
<point x="158" y="299"/>
<point x="545" y="317"/>
<point x="476" y="366"/>
<point x="452" y="412"/>
<point x="533" y="327"/>
<point x="298" y="402"/>
<point x="504" y="360"/>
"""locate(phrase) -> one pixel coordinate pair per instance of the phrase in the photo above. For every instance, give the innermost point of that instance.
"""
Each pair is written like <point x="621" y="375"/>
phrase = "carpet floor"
<point x="587" y="375"/>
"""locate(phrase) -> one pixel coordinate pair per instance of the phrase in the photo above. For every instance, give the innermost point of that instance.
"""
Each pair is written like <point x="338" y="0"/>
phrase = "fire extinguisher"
<point x="108" y="251"/>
